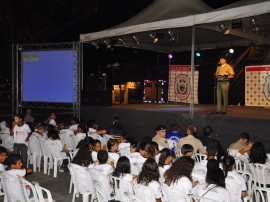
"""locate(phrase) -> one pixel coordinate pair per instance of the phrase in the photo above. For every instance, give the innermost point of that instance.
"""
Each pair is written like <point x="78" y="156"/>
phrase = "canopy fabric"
<point x="143" y="22"/>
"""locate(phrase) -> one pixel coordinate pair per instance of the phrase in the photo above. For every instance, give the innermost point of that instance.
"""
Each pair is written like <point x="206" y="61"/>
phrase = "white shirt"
<point x="105" y="169"/>
<point x="114" y="157"/>
<point x="21" y="133"/>
<point x="81" y="135"/>
<point x="52" y="122"/>
<point x="73" y="127"/>
<point x="235" y="183"/>
<point x="94" y="156"/>
<point x="17" y="172"/>
<point x="133" y="157"/>
<point x="2" y="168"/>
<point x="212" y="192"/>
<point x="124" y="149"/>
<point x="183" y="185"/>
<point x="155" y="186"/>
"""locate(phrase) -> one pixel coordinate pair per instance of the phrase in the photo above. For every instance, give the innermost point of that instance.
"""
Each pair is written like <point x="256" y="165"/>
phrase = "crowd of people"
<point x="164" y="161"/>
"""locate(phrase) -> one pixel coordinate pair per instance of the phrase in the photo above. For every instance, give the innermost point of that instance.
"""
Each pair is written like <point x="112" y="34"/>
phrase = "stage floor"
<point x="202" y="109"/>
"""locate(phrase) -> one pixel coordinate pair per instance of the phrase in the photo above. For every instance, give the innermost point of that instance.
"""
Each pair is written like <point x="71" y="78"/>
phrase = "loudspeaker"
<point x="97" y="98"/>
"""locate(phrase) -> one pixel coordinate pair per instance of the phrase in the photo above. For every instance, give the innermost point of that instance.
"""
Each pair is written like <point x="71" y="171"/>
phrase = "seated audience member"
<point x="40" y="132"/>
<point x="164" y="162"/>
<point x="92" y="126"/>
<point x="124" y="145"/>
<point x="233" y="180"/>
<point x="160" y="139"/>
<point x="51" y="119"/>
<point x="81" y="131"/>
<point x="134" y="152"/>
<point x="241" y="143"/>
<point x="174" y="136"/>
<point x="178" y="176"/>
<point x="116" y="130"/>
<point x="187" y="150"/>
<point x="3" y="157"/>
<point x="15" y="166"/>
<point x="96" y="147"/>
<point x="156" y="147"/>
<point x="122" y="169"/>
<point x="207" y="139"/>
<point x="146" y="151"/>
<point x="192" y="140"/>
<point x="74" y="123"/>
<point x="28" y="117"/>
<point x="112" y="146"/>
<point x="149" y="177"/>
<point x="83" y="157"/>
<point x="102" y="166"/>
<point x="214" y="186"/>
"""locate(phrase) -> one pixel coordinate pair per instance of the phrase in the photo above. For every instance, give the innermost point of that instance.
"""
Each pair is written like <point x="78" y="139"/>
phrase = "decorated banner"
<point x="179" y="84"/>
<point x="257" y="86"/>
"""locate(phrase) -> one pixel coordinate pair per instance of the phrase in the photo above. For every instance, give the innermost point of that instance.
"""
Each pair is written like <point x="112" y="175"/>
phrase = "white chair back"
<point x="258" y="172"/>
<point x="144" y="193"/>
<point x="202" y="199"/>
<point x="34" y="153"/>
<point x="248" y="178"/>
<point x="234" y="189"/>
<point x="199" y="157"/>
<point x="121" y="187"/>
<point x="178" y="153"/>
<point x="40" y="191"/>
<point x="66" y="138"/>
<point x="261" y="194"/>
<point x="173" y="196"/>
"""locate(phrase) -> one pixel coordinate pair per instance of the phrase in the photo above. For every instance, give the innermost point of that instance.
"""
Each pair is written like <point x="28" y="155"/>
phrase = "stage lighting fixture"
<point x="224" y="28"/>
<point x="95" y="45"/>
<point x="170" y="56"/>
<point x="236" y="24"/>
<point x="107" y="43"/>
<point x="198" y="54"/>
<point x="254" y="23"/>
<point x="122" y="42"/>
<point x="136" y="40"/>
<point x="170" y="34"/>
<point x="154" y="38"/>
<point x="231" y="50"/>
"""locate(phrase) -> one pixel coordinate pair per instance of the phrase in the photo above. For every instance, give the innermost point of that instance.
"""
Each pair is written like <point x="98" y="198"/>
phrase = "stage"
<point x="140" y="120"/>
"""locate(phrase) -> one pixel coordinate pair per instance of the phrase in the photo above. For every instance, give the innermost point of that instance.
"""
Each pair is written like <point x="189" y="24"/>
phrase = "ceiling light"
<point x="254" y="23"/>
<point x="170" y="34"/>
<point x="170" y="56"/>
<point x="95" y="45"/>
<point x="224" y="28"/>
<point x="136" y="40"/>
<point x="154" y="38"/>
<point x="107" y="43"/>
<point x="122" y="42"/>
<point x="198" y="54"/>
<point x="231" y="50"/>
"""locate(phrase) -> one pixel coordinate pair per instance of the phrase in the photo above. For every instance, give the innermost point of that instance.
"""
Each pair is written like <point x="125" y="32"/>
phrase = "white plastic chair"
<point x="173" y="196"/>
<point x="144" y="193"/>
<point x="248" y="178"/>
<point x="65" y="136"/>
<point x="178" y="153"/>
<point x="7" y="141"/>
<point x="234" y="189"/>
<point x="201" y="199"/>
<point x="34" y="153"/>
<point x="15" y="189"/>
<point x="40" y="190"/>
<point x="261" y="194"/>
<point x="258" y="172"/>
<point x="199" y="157"/>
<point x="47" y="158"/>
<point x="121" y="187"/>
<point x="56" y="158"/>
<point x="132" y="198"/>
<point x="134" y="169"/>
<point x="83" y="184"/>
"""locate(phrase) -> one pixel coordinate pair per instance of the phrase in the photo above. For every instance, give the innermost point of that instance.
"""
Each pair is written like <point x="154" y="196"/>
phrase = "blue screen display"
<point x="48" y="76"/>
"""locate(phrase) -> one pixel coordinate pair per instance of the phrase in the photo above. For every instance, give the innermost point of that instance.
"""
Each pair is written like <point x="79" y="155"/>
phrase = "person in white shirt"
<point x="40" y="132"/>
<point x="102" y="166"/>
<point x="112" y="146"/>
<point x="214" y="188"/>
<point x="73" y="124"/>
<point x="52" y="118"/>
<point x="21" y="133"/>
<point x="134" y="152"/>
<point x="149" y="177"/>
<point x="80" y="132"/>
<point x="3" y="157"/>
<point x="164" y="162"/>
<point x="178" y="177"/>
<point x="234" y="181"/>
<point x="96" y="147"/>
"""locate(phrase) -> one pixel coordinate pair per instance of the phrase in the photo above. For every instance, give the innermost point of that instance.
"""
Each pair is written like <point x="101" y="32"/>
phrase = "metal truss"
<point x="18" y="105"/>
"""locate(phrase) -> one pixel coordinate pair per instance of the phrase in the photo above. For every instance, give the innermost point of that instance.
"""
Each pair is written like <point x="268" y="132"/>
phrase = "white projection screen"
<point x="48" y="76"/>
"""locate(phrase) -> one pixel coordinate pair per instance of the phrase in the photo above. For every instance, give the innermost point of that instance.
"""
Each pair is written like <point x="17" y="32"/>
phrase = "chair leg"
<point x="34" y="163"/>
<point x="45" y="165"/>
<point x="55" y="168"/>
<point x="73" y="197"/>
<point x="71" y="183"/>
<point x="38" y="162"/>
<point x="85" y="197"/>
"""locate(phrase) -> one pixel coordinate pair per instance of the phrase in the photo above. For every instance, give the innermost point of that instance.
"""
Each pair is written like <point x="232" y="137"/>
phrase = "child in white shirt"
<point x="112" y="146"/>
<point x="96" y="147"/>
<point x="103" y="167"/>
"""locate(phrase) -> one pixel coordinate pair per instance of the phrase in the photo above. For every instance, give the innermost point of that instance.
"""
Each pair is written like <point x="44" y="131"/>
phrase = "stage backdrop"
<point x="179" y="84"/>
<point x="257" y="86"/>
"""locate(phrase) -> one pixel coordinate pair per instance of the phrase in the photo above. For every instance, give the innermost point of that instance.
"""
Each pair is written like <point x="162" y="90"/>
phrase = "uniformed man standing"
<point x="159" y="138"/>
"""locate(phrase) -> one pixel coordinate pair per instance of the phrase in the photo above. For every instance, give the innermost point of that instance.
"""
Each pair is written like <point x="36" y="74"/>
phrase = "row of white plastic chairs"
<point x="15" y="190"/>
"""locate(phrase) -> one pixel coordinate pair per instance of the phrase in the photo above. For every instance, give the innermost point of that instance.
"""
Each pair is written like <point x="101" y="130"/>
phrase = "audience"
<point x="165" y="160"/>
<point x="159" y="138"/>
<point x="187" y="150"/>
<point x="241" y="143"/>
<point x="113" y="146"/>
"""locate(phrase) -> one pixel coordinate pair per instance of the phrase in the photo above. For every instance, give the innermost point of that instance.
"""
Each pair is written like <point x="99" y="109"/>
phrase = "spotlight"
<point x="108" y="45"/>
<point x="122" y="42"/>
<point x="136" y="40"/>
<point x="95" y="45"/>
<point x="154" y="38"/>
<point x="198" y="54"/>
<point x="231" y="50"/>
<point x="170" y="56"/>
<point x="170" y="34"/>
<point x="224" y="28"/>
<point x="254" y="23"/>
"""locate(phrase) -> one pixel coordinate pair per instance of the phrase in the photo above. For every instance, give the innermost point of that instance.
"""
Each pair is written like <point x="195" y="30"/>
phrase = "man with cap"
<point x="159" y="138"/>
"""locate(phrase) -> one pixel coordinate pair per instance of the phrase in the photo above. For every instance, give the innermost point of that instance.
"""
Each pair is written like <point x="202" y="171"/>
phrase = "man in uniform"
<point x="159" y="138"/>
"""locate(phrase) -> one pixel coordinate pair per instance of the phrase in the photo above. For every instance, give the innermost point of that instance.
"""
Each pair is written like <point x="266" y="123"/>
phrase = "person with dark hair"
<point x="159" y="138"/>
<point x="192" y="140"/>
<point x="149" y="177"/>
<point x="83" y="157"/>
<point x="21" y="134"/>
<point x="15" y="166"/>
<point x="102" y="166"/>
<point x="241" y="142"/>
<point x="116" y="130"/>
<point x="178" y="176"/>
<point x="51" y="119"/>
<point x="207" y="139"/>
<point x="214" y="186"/>
<point x="112" y="146"/>
<point x="92" y="126"/>
<point x="74" y="123"/>
<point x="156" y="147"/>
<point x="28" y="117"/>
<point x="134" y="152"/>
<point x="234" y="180"/>
<point x="3" y="157"/>
<point x="187" y="150"/>
<point x="164" y="162"/>
<point x="174" y="136"/>
<point x="224" y="73"/>
<point x="122" y="169"/>
<point x="124" y="145"/>
<point x="96" y="147"/>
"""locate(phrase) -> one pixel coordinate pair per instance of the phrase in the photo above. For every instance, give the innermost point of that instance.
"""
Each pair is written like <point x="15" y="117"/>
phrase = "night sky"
<point x="31" y="21"/>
